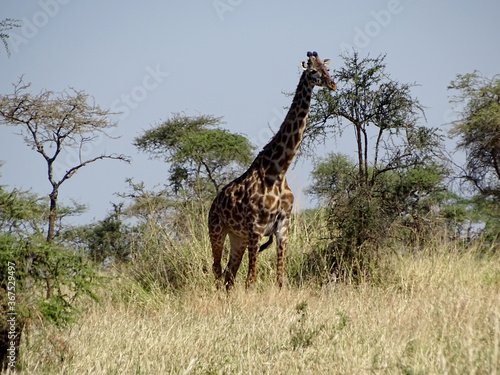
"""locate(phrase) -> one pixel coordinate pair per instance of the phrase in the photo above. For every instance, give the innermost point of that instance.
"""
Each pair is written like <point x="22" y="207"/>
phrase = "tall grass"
<point x="173" y="258"/>
<point x="436" y="311"/>
<point x="173" y="255"/>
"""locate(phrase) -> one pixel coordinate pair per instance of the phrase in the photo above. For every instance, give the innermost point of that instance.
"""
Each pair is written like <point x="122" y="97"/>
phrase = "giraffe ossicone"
<point x="259" y="202"/>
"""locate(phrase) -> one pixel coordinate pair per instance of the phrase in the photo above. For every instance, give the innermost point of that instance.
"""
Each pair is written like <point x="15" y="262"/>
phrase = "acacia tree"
<point x="52" y="123"/>
<point x="202" y="156"/>
<point x="478" y="130"/>
<point x="395" y="157"/>
<point x="407" y="198"/>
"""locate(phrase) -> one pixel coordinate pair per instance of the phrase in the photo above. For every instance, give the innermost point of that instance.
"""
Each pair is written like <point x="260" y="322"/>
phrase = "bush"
<point x="48" y="279"/>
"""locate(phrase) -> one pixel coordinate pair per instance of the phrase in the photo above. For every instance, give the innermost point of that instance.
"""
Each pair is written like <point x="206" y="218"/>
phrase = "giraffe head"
<point x="318" y="71"/>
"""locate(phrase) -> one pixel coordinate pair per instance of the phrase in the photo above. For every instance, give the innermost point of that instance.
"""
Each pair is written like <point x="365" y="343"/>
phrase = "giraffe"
<point x="259" y="202"/>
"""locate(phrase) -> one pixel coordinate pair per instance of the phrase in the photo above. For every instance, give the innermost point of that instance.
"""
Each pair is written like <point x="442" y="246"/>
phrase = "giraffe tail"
<point x="267" y="244"/>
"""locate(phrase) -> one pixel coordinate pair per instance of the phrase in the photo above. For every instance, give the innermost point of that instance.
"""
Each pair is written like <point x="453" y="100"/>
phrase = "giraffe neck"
<point x="276" y="157"/>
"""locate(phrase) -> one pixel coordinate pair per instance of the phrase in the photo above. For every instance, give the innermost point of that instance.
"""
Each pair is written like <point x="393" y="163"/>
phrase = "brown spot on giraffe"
<point x="259" y="202"/>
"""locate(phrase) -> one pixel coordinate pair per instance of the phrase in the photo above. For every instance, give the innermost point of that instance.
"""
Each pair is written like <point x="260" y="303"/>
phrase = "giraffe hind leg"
<point x="282" y="241"/>
<point x="280" y="261"/>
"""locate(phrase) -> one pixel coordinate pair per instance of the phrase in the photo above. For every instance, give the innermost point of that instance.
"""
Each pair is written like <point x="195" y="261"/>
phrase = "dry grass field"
<point x="436" y="313"/>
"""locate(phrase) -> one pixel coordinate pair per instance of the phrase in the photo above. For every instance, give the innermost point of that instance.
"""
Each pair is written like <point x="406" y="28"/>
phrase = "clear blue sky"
<point x="229" y="58"/>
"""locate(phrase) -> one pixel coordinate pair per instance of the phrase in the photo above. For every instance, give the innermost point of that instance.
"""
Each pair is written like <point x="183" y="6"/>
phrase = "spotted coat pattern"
<point x="259" y="202"/>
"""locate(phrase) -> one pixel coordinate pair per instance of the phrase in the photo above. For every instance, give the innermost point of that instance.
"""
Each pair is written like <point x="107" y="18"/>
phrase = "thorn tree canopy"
<point x="202" y="156"/>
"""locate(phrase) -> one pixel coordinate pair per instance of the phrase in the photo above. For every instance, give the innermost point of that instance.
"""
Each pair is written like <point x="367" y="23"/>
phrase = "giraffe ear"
<point x="303" y="64"/>
<point x="326" y="62"/>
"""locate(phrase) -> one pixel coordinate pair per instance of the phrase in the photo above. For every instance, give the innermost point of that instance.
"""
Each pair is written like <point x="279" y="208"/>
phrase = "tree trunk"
<point x="360" y="153"/>
<point x="50" y="234"/>
<point x="52" y="214"/>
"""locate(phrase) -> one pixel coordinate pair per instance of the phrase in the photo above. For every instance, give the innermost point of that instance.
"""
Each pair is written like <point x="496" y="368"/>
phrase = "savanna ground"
<point x="424" y="324"/>
<point x="432" y="311"/>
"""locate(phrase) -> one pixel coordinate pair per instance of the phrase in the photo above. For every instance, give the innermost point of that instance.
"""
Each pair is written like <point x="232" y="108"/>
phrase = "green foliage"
<point x="400" y="204"/>
<point x="478" y="130"/>
<point x="21" y="212"/>
<point x="41" y="266"/>
<point x="485" y="212"/>
<point x="46" y="278"/>
<point x="147" y="204"/>
<point x="24" y="213"/>
<point x="399" y="171"/>
<point x="106" y="238"/>
<point x="332" y="177"/>
<point x="202" y="156"/>
<point x="366" y="96"/>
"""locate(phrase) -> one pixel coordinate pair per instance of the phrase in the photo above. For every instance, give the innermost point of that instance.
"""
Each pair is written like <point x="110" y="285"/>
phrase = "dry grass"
<point x="430" y="314"/>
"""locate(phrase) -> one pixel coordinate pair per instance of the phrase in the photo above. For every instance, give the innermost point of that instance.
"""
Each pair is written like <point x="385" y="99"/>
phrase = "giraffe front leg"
<point x="232" y="269"/>
<point x="253" y="252"/>
<point x="238" y="247"/>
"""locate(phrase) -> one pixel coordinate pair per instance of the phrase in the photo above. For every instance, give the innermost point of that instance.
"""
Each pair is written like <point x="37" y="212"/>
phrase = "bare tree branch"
<point x="69" y="173"/>
<point x="52" y="123"/>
